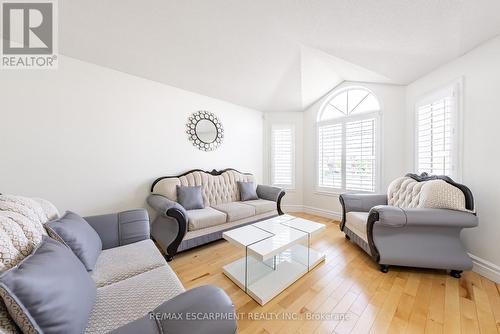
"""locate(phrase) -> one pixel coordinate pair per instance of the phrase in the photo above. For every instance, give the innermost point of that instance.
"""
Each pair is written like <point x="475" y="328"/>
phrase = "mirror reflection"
<point x="206" y="131"/>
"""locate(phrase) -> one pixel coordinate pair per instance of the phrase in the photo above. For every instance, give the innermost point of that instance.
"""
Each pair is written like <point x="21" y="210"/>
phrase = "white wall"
<point x="480" y="70"/>
<point x="293" y="199"/>
<point x="92" y="140"/>
<point x="392" y="100"/>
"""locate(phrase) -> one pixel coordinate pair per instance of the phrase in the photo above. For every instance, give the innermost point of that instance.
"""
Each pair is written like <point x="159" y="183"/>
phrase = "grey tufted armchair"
<point x="417" y="224"/>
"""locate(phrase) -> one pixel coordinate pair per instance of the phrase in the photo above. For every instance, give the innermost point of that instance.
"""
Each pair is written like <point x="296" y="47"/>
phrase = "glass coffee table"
<point x="277" y="253"/>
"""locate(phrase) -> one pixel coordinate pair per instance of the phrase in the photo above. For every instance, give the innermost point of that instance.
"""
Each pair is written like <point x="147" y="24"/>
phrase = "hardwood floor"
<point x="350" y="285"/>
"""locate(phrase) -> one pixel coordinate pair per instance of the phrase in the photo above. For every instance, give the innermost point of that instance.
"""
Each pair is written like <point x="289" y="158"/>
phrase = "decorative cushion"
<point x="119" y="263"/>
<point x="9" y="254"/>
<point x="49" y="291"/>
<point x="216" y="188"/>
<point x="356" y="222"/>
<point x="21" y="221"/>
<point x="19" y="233"/>
<point x="248" y="191"/>
<point x="235" y="210"/>
<point x="262" y="205"/>
<point x="203" y="218"/>
<point x="125" y="301"/>
<point x="25" y="206"/>
<point x="78" y="235"/>
<point x="49" y="209"/>
<point x="405" y="192"/>
<point x="190" y="197"/>
<point x="7" y="325"/>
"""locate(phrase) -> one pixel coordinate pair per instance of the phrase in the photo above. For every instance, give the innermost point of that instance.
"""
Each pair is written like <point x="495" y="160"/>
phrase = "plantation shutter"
<point x="360" y="155"/>
<point x="330" y="156"/>
<point x="435" y="135"/>
<point x="282" y="155"/>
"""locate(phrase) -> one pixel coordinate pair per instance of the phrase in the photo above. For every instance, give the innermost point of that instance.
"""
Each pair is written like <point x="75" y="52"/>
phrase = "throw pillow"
<point x="49" y="291"/>
<point x="248" y="191"/>
<point x="74" y="231"/>
<point x="190" y="197"/>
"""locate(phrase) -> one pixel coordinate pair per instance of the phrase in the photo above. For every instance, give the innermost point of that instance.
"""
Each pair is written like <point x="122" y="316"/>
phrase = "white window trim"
<point x="271" y="157"/>
<point x="456" y="87"/>
<point x="378" y="146"/>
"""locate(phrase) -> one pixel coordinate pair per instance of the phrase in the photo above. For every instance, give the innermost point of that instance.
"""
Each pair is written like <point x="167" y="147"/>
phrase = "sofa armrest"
<point x="359" y="203"/>
<point x="398" y="217"/>
<point x="205" y="309"/>
<point x="162" y="204"/>
<point x="168" y="236"/>
<point x="271" y="193"/>
<point x="122" y="228"/>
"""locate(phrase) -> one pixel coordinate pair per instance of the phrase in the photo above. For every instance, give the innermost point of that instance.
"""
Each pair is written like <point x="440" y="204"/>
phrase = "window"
<point x="347" y="141"/>
<point x="282" y="155"/>
<point x="436" y="133"/>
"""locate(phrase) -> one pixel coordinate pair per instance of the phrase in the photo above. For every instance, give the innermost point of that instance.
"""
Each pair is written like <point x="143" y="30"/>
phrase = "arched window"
<point x="347" y="141"/>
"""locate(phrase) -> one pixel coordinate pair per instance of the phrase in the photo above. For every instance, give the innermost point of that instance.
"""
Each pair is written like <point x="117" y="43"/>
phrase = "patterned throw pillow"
<point x="7" y="325"/>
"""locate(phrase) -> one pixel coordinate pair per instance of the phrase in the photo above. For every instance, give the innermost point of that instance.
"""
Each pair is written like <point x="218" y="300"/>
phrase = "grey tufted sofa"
<point x="176" y="229"/>
<point x="416" y="224"/>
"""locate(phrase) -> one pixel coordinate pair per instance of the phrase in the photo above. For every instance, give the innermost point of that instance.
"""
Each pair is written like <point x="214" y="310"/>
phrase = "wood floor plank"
<point x="451" y="306"/>
<point x="468" y="316"/>
<point x="405" y="300"/>
<point x="493" y="294"/>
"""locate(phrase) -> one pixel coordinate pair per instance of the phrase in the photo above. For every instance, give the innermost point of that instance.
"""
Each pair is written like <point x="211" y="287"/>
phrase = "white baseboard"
<point x="292" y="208"/>
<point x="485" y="268"/>
<point x="314" y="211"/>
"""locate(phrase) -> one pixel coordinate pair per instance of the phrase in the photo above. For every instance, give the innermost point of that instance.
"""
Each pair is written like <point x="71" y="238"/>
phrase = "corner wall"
<point x="480" y="70"/>
<point x="92" y="140"/>
<point x="392" y="100"/>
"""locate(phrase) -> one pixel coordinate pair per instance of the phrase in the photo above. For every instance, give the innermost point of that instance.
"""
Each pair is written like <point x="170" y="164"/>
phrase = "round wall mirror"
<point x="205" y="130"/>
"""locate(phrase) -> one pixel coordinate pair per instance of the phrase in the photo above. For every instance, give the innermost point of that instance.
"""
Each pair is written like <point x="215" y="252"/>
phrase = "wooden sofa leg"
<point x="347" y="237"/>
<point x="455" y="273"/>
<point x="384" y="268"/>
<point x="169" y="257"/>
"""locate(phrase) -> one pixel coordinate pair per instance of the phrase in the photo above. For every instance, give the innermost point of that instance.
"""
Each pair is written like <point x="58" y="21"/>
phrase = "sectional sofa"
<point x="176" y="229"/>
<point x="132" y="288"/>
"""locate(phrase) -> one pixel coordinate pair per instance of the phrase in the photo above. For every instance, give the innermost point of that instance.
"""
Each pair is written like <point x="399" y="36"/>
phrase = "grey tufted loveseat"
<point x="416" y="224"/>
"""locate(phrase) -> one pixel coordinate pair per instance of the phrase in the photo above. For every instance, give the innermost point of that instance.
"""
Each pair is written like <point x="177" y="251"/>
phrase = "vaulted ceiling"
<point x="274" y="55"/>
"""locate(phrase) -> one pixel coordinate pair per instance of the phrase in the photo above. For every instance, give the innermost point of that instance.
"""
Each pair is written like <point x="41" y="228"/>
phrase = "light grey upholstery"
<point x="236" y="210"/>
<point x="189" y="309"/>
<point x="118" y="229"/>
<point x="394" y="216"/>
<point x="269" y="192"/>
<point x="262" y="205"/>
<point x="162" y="204"/>
<point x="362" y="202"/>
<point x="356" y="222"/>
<point x="119" y="263"/>
<point x="203" y="218"/>
<point x="411" y="236"/>
<point x="120" y="303"/>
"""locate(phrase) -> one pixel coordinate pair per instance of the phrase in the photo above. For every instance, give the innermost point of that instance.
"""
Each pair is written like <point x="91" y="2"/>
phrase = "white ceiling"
<point x="274" y="55"/>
